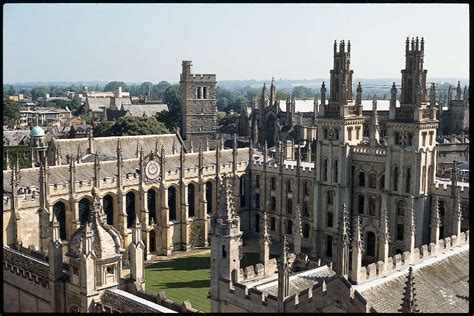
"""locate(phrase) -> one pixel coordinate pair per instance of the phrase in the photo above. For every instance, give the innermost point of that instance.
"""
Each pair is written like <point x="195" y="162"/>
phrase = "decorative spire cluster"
<point x="409" y="297"/>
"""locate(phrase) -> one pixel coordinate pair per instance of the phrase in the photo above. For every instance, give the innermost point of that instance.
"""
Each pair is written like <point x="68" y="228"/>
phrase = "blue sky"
<point x="146" y="42"/>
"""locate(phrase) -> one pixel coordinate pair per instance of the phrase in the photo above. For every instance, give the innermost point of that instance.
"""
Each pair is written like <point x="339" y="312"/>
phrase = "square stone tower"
<point x="198" y="105"/>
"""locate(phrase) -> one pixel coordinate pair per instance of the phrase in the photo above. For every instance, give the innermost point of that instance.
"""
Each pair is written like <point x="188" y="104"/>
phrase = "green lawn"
<point x="187" y="278"/>
<point x="184" y="278"/>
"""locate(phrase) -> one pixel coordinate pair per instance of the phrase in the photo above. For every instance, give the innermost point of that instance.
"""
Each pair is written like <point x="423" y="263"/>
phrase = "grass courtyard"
<point x="186" y="278"/>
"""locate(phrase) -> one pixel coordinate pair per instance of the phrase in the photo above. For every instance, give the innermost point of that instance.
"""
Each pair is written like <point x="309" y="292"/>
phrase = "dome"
<point x="36" y="132"/>
<point x="106" y="240"/>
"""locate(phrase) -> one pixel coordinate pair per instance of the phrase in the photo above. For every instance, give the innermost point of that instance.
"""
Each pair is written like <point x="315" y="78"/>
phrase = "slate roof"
<point x="129" y="303"/>
<point x="149" y="109"/>
<point x="441" y="287"/>
<point x="13" y="138"/>
<point x="300" y="281"/>
<point x="97" y="104"/>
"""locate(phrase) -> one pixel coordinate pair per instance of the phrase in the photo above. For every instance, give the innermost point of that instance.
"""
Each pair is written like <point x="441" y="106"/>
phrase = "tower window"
<point x="360" y="204"/>
<point x="325" y="170"/>
<point x="273" y="203"/>
<point x="289" y="187"/>
<point x="289" y="206"/>
<point x="224" y="252"/>
<point x="272" y="224"/>
<point x="289" y="227"/>
<point x="204" y="89"/>
<point x="257" y="181"/>
<point x="330" y="219"/>
<point x="408" y="180"/>
<point x="335" y="171"/>
<point x="362" y="179"/>
<point x="257" y="200"/>
<point x="400" y="232"/>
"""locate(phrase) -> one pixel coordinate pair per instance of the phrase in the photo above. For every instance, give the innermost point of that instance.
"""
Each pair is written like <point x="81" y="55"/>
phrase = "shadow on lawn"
<point x="189" y="284"/>
<point x="184" y="263"/>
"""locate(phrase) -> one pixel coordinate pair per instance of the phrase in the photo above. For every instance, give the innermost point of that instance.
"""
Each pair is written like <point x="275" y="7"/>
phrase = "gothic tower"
<point x="198" y="105"/>
<point x="410" y="143"/>
<point x="225" y="242"/>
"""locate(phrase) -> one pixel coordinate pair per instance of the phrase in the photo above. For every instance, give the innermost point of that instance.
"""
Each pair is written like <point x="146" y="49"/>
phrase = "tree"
<point x="75" y="103"/>
<point x="11" y="112"/>
<point x="158" y="91"/>
<point x="114" y="85"/>
<point x="131" y="125"/>
<point x="144" y="88"/>
<point x="228" y="124"/>
<point x="302" y="92"/>
<point x="58" y="104"/>
<point x="11" y="91"/>
<point x="280" y="95"/>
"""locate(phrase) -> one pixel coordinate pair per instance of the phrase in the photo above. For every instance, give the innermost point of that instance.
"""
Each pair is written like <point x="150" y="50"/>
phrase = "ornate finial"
<point x="137" y="223"/>
<point x="409" y="297"/>
<point x="411" y="210"/>
<point x="284" y="251"/>
<point x="385" y="224"/>
<point x="349" y="46"/>
<point x="435" y="219"/>
<point x="265" y="236"/>
<point x="357" y="234"/>
<point x="298" y="229"/>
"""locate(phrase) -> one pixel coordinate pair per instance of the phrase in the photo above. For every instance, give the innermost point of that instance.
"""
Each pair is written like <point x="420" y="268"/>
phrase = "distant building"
<point x="455" y="118"/>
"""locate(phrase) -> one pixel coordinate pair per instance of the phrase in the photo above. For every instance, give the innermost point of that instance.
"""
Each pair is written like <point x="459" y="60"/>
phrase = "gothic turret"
<point x="283" y="276"/>
<point x="297" y="230"/>
<point x="413" y="76"/>
<point x="435" y="220"/>
<point x="458" y="91"/>
<point x="357" y="250"/>
<point x="341" y="76"/>
<point x="409" y="297"/>
<point x="343" y="242"/>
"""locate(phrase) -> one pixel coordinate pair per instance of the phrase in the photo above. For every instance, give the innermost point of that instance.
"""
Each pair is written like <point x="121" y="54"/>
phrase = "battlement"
<point x="26" y="267"/>
<point x="399" y="261"/>
<point x="258" y="271"/>
<point x="367" y="150"/>
<point x="342" y="48"/>
<point x="444" y="187"/>
<point x="416" y="46"/>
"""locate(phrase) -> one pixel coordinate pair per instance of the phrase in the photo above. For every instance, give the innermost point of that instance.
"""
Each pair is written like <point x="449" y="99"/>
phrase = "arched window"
<point x="325" y="170"/>
<point x="108" y="204"/>
<point x="382" y="182"/>
<point x="191" y="194"/>
<point x="59" y="209"/>
<point x="209" y="196"/>
<point x="408" y="180"/>
<point x="442" y="208"/>
<point x="289" y="206"/>
<point x="273" y="202"/>
<point x="395" y="179"/>
<point x="289" y="187"/>
<point x="360" y="204"/>
<point x="306" y="188"/>
<point x="330" y="197"/>
<point x="257" y="200"/>
<point x="242" y="191"/>
<point x="362" y="179"/>
<point x="330" y="219"/>
<point x="372" y="206"/>
<point x="289" y="227"/>
<point x="400" y="232"/>
<point x="306" y="208"/>
<point x="329" y="246"/>
<point x="272" y="224"/>
<point x="372" y="180"/>
<point x="257" y="181"/>
<point x="335" y="171"/>
<point x="273" y="183"/>
<point x="172" y="202"/>
<point x="306" y="230"/>
<point x="151" y="204"/>
<point x="84" y="210"/>
<point x="370" y="251"/>
<point x="257" y="222"/>
<point x="325" y="133"/>
<point x="130" y="208"/>
<point x="336" y="134"/>
<point x="401" y="205"/>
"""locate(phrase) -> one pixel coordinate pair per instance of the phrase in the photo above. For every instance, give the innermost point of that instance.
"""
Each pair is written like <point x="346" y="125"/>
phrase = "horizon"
<point x="274" y="40"/>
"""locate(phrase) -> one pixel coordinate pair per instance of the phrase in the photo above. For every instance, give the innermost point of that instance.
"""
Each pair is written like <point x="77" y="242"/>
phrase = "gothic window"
<point x="108" y="204"/>
<point x="257" y="223"/>
<point x="325" y="170"/>
<point x="400" y="232"/>
<point x="306" y="208"/>
<point x="395" y="179"/>
<point x="401" y="205"/>
<point x="306" y="188"/>
<point x="59" y="209"/>
<point x="191" y="194"/>
<point x="336" y="134"/>
<point x="257" y="200"/>
<point x="330" y="219"/>
<point x="431" y="138"/>
<point x="330" y="197"/>
<point x="224" y="252"/>
<point x="329" y="246"/>
<point x="204" y="92"/>
<point x="289" y="227"/>
<point x="349" y="133"/>
<point x="372" y="180"/>
<point x="306" y="230"/>
<point x="151" y="204"/>
<point x="408" y="180"/>
<point x="360" y="204"/>
<point x="362" y="179"/>
<point x="289" y="206"/>
<point x="370" y="251"/>
<point x="273" y="203"/>
<point x="130" y="208"/>
<point x="335" y="171"/>
<point x="273" y="183"/>
<point x="372" y="206"/>
<point x="209" y="196"/>
<point x="172" y="203"/>
<point x="242" y="191"/>
<point x="199" y="92"/>
<point x="84" y="210"/>
<point x="423" y="139"/>
<point x="289" y="187"/>
<point x="325" y="133"/>
<point x="382" y="182"/>
<point x="272" y="224"/>
<point x="257" y="181"/>
<point x="357" y="132"/>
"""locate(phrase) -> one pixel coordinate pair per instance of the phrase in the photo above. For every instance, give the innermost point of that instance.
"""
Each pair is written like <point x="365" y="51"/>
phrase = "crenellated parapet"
<point x="380" y="269"/>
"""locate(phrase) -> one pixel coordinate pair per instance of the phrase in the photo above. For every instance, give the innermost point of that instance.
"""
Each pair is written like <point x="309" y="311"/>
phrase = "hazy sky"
<point x="147" y="42"/>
